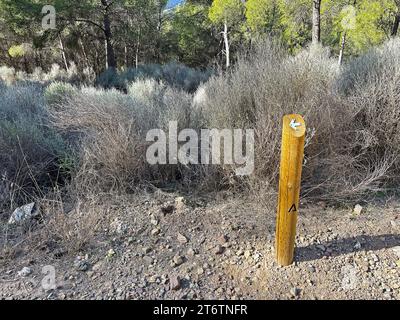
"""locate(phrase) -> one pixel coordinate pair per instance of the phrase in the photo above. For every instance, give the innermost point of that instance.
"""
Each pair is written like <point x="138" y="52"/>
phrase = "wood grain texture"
<point x="292" y="154"/>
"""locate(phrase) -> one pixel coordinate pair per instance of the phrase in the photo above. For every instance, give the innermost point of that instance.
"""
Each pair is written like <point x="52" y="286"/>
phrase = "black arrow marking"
<point x="293" y="208"/>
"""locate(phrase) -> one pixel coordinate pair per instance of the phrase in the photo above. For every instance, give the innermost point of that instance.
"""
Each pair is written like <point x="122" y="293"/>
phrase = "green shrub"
<point x="57" y="93"/>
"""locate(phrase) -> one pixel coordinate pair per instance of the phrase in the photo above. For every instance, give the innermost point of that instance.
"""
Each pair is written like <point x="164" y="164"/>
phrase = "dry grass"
<point x="74" y="229"/>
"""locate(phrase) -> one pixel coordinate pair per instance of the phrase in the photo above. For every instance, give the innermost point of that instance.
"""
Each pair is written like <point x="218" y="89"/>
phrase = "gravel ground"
<point x="172" y="247"/>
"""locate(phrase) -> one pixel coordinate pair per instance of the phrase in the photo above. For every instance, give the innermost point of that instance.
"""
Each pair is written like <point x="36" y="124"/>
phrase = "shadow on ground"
<point x="348" y="245"/>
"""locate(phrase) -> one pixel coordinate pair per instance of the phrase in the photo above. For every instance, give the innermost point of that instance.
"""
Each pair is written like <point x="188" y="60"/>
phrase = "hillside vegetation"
<point x="55" y="132"/>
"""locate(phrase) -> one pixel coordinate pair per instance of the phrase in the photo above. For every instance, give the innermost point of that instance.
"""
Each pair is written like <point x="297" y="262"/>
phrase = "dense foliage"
<point x="197" y="33"/>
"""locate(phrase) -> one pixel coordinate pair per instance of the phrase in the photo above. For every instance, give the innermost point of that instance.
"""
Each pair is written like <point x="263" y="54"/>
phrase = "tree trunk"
<point x="159" y="35"/>
<point x="64" y="57"/>
<point x="342" y="46"/>
<point x="226" y="41"/>
<point x="85" y="57"/>
<point x="126" y="53"/>
<point x="111" y="62"/>
<point x="316" y="28"/>
<point x="137" y="51"/>
<point x="396" y="24"/>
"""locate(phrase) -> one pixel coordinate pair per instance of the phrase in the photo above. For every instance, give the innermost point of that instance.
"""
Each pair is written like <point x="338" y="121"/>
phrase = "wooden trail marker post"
<point x="292" y="154"/>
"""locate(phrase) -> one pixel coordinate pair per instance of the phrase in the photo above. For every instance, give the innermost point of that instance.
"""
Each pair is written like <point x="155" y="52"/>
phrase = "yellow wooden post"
<point x="292" y="154"/>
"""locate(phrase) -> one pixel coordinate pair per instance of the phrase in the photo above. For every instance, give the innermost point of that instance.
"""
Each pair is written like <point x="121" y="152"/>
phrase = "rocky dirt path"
<point x="177" y="248"/>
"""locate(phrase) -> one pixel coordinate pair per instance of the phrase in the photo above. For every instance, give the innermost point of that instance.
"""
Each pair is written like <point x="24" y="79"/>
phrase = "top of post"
<point x="294" y="124"/>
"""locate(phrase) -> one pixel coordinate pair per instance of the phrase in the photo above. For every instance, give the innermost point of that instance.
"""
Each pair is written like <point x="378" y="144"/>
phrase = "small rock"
<point x="357" y="209"/>
<point x="247" y="254"/>
<point x="154" y="279"/>
<point x="81" y="265"/>
<point x="257" y="257"/>
<point x="191" y="252"/>
<point x="239" y="252"/>
<point x="24" y="272"/>
<point x="200" y="271"/>
<point x="155" y="231"/>
<point x="295" y="292"/>
<point x="321" y="247"/>
<point x="223" y="239"/>
<point x="357" y="246"/>
<point x="174" y="283"/>
<point x="311" y="268"/>
<point x="110" y="253"/>
<point x="393" y="223"/>
<point x="24" y="213"/>
<point x="178" y="260"/>
<point x="219" y="249"/>
<point x="154" y="222"/>
<point x="182" y="239"/>
<point x="396" y="251"/>
<point x="146" y="250"/>
<point x="374" y="257"/>
<point x="148" y="260"/>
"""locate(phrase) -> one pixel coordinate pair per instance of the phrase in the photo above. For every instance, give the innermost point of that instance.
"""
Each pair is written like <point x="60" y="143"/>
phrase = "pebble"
<point x="191" y="252"/>
<point x="174" y="283"/>
<point x="110" y="253"/>
<point x="219" y="249"/>
<point x="357" y="209"/>
<point x="25" y="271"/>
<point x="182" y="239"/>
<point x="239" y="253"/>
<point x="148" y="260"/>
<point x="357" y="246"/>
<point x="311" y="268"/>
<point x="81" y="265"/>
<point x="374" y="257"/>
<point x="178" y="260"/>
<point x="146" y="250"/>
<point x="200" y="271"/>
<point x="223" y="239"/>
<point x="295" y="292"/>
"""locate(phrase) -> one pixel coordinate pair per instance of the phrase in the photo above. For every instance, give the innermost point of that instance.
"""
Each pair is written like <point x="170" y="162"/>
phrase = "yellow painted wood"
<point x="292" y="154"/>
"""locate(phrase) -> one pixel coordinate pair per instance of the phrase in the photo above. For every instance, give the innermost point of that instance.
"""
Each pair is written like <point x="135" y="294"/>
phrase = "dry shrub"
<point x="30" y="149"/>
<point x="75" y="229"/>
<point x="112" y="128"/>
<point x="111" y="154"/>
<point x="371" y="143"/>
<point x="7" y="75"/>
<point x="351" y="114"/>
